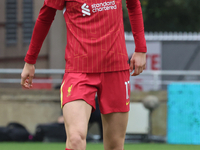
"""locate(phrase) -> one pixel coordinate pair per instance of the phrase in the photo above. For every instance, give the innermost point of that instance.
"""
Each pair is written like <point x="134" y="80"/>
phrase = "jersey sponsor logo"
<point x="98" y="7"/>
<point x="69" y="91"/>
<point x="85" y="10"/>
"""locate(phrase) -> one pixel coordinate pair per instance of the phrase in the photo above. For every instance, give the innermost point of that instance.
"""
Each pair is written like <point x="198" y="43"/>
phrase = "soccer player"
<point x="96" y="62"/>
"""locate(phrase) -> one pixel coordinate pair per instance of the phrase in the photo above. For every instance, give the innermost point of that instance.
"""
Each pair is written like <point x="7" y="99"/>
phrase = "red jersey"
<point x="95" y="34"/>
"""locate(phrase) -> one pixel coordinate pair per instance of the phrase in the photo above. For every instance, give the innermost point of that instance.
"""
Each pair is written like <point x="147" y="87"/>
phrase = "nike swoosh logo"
<point x="127" y="103"/>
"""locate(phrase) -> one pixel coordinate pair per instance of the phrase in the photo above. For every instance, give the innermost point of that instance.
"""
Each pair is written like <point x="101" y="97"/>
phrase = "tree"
<point x="168" y="15"/>
<point x="172" y="15"/>
<point x="127" y="26"/>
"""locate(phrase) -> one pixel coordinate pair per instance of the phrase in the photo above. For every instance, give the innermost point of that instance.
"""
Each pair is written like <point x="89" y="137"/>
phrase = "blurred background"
<point x="165" y="98"/>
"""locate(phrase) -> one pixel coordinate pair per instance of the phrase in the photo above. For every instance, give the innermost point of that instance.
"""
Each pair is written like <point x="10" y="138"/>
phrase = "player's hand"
<point x="137" y="63"/>
<point x="27" y="75"/>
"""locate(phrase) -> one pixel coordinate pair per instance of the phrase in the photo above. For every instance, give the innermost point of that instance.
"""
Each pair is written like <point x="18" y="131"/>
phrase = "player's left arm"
<point x="138" y="59"/>
<point x="137" y="63"/>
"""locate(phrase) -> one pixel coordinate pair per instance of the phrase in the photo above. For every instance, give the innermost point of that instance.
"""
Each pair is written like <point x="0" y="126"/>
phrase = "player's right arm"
<point x="27" y="75"/>
<point x="41" y="28"/>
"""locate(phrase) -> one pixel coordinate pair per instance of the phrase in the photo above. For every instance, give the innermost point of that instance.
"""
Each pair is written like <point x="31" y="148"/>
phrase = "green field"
<point x="93" y="146"/>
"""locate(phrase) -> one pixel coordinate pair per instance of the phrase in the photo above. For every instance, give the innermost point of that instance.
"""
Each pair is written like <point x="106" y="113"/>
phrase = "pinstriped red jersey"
<point x="95" y="35"/>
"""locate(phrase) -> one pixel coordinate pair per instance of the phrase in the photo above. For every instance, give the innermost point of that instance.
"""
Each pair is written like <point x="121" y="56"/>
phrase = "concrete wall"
<point x="33" y="107"/>
<point x="29" y="107"/>
<point x="159" y="115"/>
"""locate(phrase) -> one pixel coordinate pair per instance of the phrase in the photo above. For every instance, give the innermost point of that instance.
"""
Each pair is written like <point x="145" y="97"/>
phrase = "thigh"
<point x="114" y="94"/>
<point x="114" y="130"/>
<point x="76" y="116"/>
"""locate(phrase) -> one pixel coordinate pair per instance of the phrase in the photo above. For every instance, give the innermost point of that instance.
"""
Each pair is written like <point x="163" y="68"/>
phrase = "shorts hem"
<point x="83" y="99"/>
<point x="114" y="111"/>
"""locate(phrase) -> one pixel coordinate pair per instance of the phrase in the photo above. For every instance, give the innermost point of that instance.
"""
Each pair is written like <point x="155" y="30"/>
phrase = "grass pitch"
<point x="93" y="146"/>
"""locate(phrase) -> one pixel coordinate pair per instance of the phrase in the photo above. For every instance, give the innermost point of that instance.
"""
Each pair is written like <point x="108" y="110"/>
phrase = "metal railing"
<point x="156" y="81"/>
<point x="37" y="71"/>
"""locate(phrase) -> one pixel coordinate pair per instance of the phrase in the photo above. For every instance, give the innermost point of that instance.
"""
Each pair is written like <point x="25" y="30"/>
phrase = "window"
<point x="11" y="21"/>
<point x="27" y="20"/>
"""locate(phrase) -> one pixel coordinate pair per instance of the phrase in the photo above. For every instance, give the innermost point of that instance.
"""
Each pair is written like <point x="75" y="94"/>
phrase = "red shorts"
<point x="112" y="88"/>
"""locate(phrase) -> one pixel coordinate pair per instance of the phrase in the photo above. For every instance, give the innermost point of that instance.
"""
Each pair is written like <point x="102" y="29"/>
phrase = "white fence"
<point x="167" y="36"/>
<point x="156" y="80"/>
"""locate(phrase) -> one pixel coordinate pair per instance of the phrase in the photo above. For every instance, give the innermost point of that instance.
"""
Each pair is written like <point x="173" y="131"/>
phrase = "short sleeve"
<point x="56" y="4"/>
